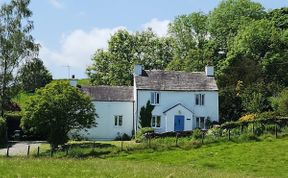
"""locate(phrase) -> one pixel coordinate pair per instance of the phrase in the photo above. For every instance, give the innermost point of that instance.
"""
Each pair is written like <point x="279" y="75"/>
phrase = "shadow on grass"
<point x="83" y="150"/>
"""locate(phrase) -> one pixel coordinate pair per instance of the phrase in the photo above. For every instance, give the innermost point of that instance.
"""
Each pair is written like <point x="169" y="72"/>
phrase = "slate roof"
<point x="175" y="81"/>
<point x="109" y="93"/>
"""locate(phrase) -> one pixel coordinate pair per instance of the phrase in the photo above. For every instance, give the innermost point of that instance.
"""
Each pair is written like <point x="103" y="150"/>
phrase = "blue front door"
<point x="178" y="123"/>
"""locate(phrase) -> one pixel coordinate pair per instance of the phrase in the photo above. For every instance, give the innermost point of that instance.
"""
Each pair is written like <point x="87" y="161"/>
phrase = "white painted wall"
<point x="178" y="110"/>
<point x="106" y="130"/>
<point x="186" y="98"/>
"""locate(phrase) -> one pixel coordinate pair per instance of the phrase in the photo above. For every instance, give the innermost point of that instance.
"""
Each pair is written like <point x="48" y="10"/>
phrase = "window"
<point x="155" y="98"/>
<point x="200" y="99"/>
<point x="156" y="121"/>
<point x="200" y="122"/>
<point x="118" y="120"/>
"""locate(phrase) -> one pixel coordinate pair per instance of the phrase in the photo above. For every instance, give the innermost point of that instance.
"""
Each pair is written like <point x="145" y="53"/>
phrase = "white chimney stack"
<point x="73" y="81"/>
<point x="138" y="70"/>
<point x="209" y="70"/>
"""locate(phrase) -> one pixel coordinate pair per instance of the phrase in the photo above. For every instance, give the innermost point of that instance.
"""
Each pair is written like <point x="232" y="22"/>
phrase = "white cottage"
<point x="183" y="101"/>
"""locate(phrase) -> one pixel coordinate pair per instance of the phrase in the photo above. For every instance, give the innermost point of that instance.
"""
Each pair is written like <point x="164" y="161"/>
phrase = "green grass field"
<point x="267" y="158"/>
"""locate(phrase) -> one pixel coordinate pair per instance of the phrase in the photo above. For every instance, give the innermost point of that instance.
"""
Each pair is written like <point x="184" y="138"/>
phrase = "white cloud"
<point x="158" y="26"/>
<point x="56" y="3"/>
<point x="76" y="50"/>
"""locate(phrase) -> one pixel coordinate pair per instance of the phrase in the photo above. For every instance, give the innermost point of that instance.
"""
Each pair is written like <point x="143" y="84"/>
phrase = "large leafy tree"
<point x="57" y="109"/>
<point x="115" y="66"/>
<point x="190" y="42"/>
<point x="16" y="44"/>
<point x="227" y="19"/>
<point x="33" y="75"/>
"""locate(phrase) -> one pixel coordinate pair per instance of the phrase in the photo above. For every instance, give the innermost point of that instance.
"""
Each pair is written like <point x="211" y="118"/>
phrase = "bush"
<point x="3" y="131"/>
<point x="141" y="132"/>
<point x="216" y="132"/>
<point x="197" y="134"/>
<point x="124" y="137"/>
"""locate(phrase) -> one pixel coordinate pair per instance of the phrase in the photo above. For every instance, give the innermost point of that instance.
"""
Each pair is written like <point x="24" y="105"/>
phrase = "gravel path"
<point x="20" y="148"/>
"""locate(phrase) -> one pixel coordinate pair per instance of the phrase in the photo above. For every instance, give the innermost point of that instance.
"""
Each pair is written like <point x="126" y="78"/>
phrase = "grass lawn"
<point x="251" y="159"/>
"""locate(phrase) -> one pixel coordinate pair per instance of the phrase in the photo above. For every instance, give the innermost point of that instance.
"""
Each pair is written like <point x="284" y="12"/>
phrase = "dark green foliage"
<point x="280" y="103"/>
<point x="146" y="115"/>
<point x="123" y="137"/>
<point x="230" y="105"/>
<point x="57" y="109"/>
<point x="197" y="134"/>
<point x="13" y="120"/>
<point x="279" y="17"/>
<point x="142" y="131"/>
<point x="3" y="132"/>
<point x="226" y="19"/>
<point x="33" y="75"/>
<point x="115" y="66"/>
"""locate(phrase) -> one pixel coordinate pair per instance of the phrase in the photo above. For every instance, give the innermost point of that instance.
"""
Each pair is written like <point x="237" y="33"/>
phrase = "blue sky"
<point x="70" y="31"/>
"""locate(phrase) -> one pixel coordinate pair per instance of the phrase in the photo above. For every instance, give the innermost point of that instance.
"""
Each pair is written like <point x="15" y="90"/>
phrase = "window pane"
<point x="201" y="122"/>
<point x="153" y="121"/>
<point x="202" y="99"/>
<point x="115" y="120"/>
<point x="197" y="121"/>
<point x="120" y="120"/>
<point x="197" y="100"/>
<point x="157" y="98"/>
<point x="158" y="121"/>
<point x="152" y="98"/>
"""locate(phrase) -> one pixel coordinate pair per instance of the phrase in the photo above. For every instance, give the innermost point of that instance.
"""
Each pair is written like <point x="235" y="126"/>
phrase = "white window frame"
<point x="118" y="120"/>
<point x="155" y="98"/>
<point x="156" y="121"/>
<point x="200" y="99"/>
<point x="200" y="122"/>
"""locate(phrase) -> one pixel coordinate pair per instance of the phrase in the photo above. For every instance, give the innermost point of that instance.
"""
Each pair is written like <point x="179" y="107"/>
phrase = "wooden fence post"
<point x="67" y="150"/>
<point x="28" y="150"/>
<point x="229" y="137"/>
<point x="7" y="153"/>
<point x="176" y="139"/>
<point x="275" y="130"/>
<point x="38" y="151"/>
<point x="51" y="153"/>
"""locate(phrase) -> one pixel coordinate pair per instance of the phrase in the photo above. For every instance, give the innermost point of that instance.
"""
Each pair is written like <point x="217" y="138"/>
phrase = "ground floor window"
<point x="156" y="121"/>
<point x="200" y="122"/>
<point x="118" y="120"/>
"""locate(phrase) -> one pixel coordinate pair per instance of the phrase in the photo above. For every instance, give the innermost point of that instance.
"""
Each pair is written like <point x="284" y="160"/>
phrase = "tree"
<point x="280" y="103"/>
<point x="146" y="115"/>
<point x="226" y="20"/>
<point x="99" y="72"/>
<point x="190" y="41"/>
<point x="33" y="75"/>
<point x="16" y="44"/>
<point x="115" y="66"/>
<point x="57" y="109"/>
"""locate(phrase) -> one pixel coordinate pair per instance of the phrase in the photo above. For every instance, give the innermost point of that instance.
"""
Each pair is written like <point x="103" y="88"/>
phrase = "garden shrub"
<point x="215" y="132"/>
<point x="124" y="137"/>
<point x="197" y="134"/>
<point x="141" y="132"/>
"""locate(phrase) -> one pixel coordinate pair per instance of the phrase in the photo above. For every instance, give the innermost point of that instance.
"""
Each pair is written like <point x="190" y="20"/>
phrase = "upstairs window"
<point x="199" y="99"/>
<point x="118" y="120"/>
<point x="156" y="121"/>
<point x="155" y="98"/>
